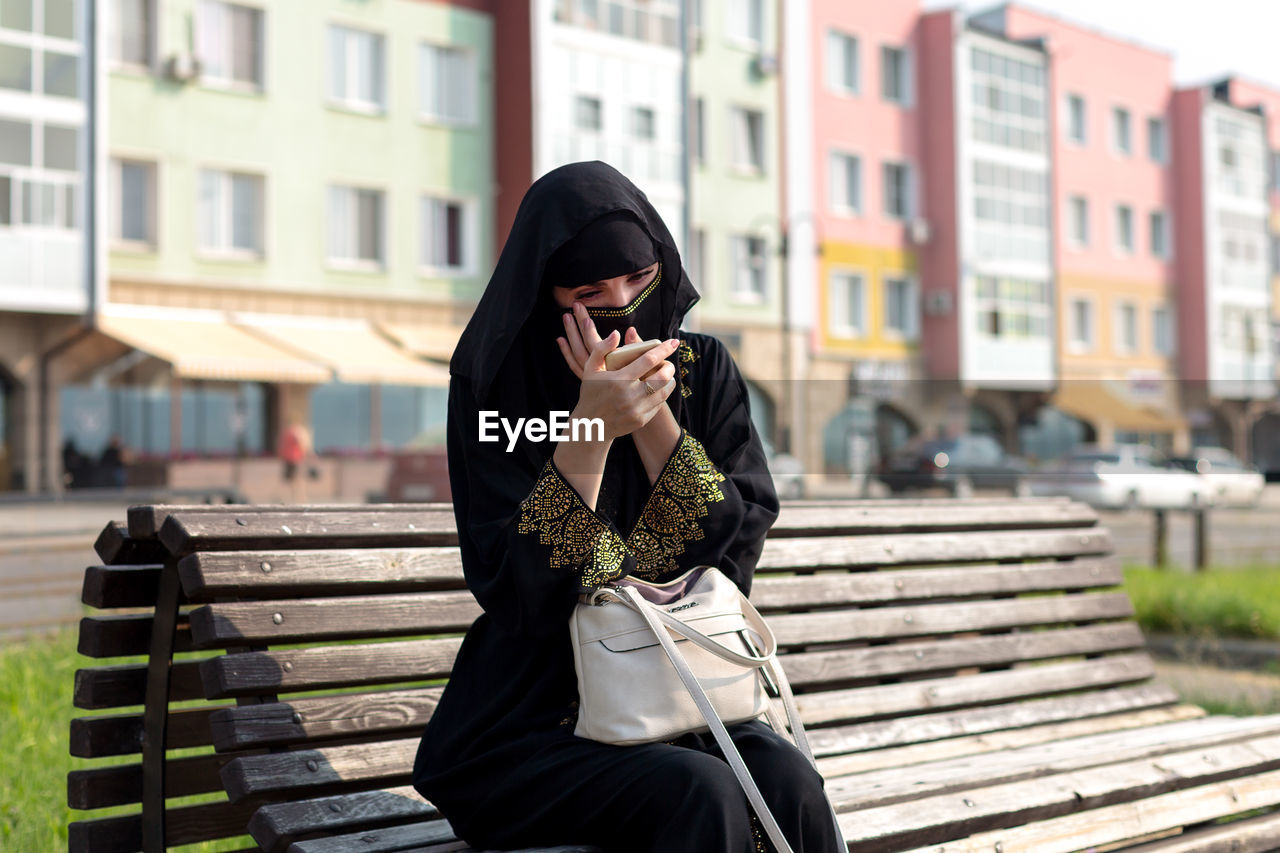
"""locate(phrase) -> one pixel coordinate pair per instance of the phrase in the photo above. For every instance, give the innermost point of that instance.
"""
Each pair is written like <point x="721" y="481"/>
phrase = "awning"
<point x="436" y="342"/>
<point x="212" y="350"/>
<point x="1091" y="401"/>
<point x="355" y="351"/>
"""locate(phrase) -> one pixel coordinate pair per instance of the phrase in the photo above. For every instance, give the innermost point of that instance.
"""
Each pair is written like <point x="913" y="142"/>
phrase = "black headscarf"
<point x="508" y="350"/>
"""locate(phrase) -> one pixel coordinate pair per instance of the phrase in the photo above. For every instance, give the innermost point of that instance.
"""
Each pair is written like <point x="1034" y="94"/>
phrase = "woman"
<point x="678" y="480"/>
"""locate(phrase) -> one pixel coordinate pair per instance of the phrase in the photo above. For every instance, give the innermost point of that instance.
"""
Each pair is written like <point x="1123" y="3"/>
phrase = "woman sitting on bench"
<point x="680" y="468"/>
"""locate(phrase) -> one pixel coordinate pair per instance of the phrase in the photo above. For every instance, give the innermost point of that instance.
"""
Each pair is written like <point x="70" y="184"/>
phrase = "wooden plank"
<point x="146" y="521"/>
<point x="919" y="752"/>
<point x="115" y="547"/>
<point x="1137" y="819"/>
<point x="284" y="621"/>
<point x="121" y="734"/>
<point x="926" y="619"/>
<point x="938" y="818"/>
<point x="1035" y="760"/>
<point x="984" y="688"/>
<point x="184" y="825"/>
<point x="121" y="635"/>
<point x="1251" y="835"/>
<point x="300" y="772"/>
<point x="327" y="666"/>
<point x="874" y="551"/>
<point x="121" y="586"/>
<point x="839" y="587"/>
<point x="842" y="518"/>
<point x="276" y="825"/>
<point x="904" y="658"/>
<point x="394" y="838"/>
<point x="120" y="784"/>
<point x="298" y="720"/>
<point x="185" y="533"/>
<point x="264" y="574"/>
<point x="122" y="685"/>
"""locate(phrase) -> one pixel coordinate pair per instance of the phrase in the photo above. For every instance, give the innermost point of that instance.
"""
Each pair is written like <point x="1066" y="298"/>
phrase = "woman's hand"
<point x="619" y="397"/>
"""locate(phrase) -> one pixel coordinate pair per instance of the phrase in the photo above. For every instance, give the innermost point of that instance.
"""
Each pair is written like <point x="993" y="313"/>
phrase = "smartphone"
<point x="623" y="356"/>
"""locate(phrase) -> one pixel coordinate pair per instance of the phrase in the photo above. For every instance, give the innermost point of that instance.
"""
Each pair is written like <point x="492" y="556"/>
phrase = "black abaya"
<point x="499" y="757"/>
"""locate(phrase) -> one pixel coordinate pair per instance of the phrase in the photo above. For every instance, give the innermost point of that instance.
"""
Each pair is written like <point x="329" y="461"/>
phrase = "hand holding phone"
<point x="622" y="356"/>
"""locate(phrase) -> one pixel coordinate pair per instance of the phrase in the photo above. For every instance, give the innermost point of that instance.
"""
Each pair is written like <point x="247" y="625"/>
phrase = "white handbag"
<point x="635" y="686"/>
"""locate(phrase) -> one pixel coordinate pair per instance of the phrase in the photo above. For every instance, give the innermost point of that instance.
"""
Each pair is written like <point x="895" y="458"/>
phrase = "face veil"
<point x="508" y="352"/>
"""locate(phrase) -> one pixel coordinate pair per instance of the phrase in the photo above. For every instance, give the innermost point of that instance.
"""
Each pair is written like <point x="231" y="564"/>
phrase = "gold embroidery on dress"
<point x="757" y="832"/>
<point x="680" y="496"/>
<point x="687" y="355"/>
<point x="578" y="538"/>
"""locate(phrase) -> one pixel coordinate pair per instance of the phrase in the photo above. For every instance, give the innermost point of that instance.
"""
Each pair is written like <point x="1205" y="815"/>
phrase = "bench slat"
<point x="859" y="741"/>
<point x="939" y="818"/>
<point x="121" y="734"/>
<point x="240" y="574"/>
<point x="114" y="546"/>
<point x="276" y="825"/>
<point x="393" y="838"/>
<point x="184" y="533"/>
<point x="125" y="684"/>
<point x="896" y="659"/>
<point x="146" y="521"/>
<point x="937" y="693"/>
<point x="999" y="513"/>
<point x="183" y="825"/>
<point x="876" y="551"/>
<point x="279" y="723"/>
<point x="121" y="586"/>
<point x="327" y="666"/>
<point x="121" y="635"/>
<point x="1251" y="835"/>
<point x="120" y="784"/>
<point x="934" y="778"/>
<point x="288" y="620"/>
<point x="308" y="772"/>
<point x="1130" y="820"/>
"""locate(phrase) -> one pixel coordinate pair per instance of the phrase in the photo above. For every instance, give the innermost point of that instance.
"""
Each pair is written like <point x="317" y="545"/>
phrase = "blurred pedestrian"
<point x="295" y="450"/>
<point x="112" y="463"/>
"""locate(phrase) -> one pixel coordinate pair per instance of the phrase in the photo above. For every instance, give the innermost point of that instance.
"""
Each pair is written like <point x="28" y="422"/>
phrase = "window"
<point x="745" y="23"/>
<point x="356" y="69"/>
<point x="1121" y="133"/>
<point x="61" y="74"/>
<point x="698" y="131"/>
<point x="1126" y="334"/>
<point x="15" y="142"/>
<point x="133" y="220"/>
<point x="1077" y="127"/>
<point x="586" y="113"/>
<point x="446" y="83"/>
<point x="59" y="18"/>
<point x="847" y="295"/>
<point x="697" y="259"/>
<point x="131" y="32"/>
<point x="748" y="269"/>
<point x="16" y="15"/>
<point x="16" y="70"/>
<point x="6" y="205"/>
<point x="748" y="139"/>
<point x="901" y="308"/>
<point x="356" y="229"/>
<point x="846" y="183"/>
<point x="1008" y="97"/>
<point x="444" y="239"/>
<point x="897" y="191"/>
<point x="842" y="63"/>
<point x="1078" y="220"/>
<point x="61" y="147"/>
<point x="230" y="212"/>
<point x="1124" y="228"/>
<point x="1159" y="226"/>
<point x="1162" y="330"/>
<point x="1157" y="140"/>
<point x="895" y="75"/>
<point x="1274" y="160"/>
<point x="229" y="43"/>
<point x="1080" y="334"/>
<point x="1012" y="307"/>
<point x="643" y="124"/>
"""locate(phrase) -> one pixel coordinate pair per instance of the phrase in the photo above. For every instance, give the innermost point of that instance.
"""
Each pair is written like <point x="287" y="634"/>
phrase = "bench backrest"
<point x="322" y="639"/>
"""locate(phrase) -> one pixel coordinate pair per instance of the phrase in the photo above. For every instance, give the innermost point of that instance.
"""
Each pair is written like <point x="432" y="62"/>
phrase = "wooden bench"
<point x="970" y="675"/>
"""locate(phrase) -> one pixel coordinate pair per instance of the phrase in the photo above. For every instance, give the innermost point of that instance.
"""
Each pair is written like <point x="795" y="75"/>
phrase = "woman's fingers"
<point x="649" y="360"/>
<point x="569" y="357"/>
<point x="595" y="361"/>
<point x="586" y="326"/>
<point x="633" y="337"/>
<point x="577" y="346"/>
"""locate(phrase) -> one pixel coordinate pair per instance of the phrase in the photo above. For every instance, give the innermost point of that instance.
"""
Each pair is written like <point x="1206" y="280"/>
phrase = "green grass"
<point x="36" y="680"/>
<point x="1242" y="602"/>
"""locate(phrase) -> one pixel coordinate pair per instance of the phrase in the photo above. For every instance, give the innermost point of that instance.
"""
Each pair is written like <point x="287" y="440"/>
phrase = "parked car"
<point x="787" y="471"/>
<point x="1232" y="482"/>
<point x="1130" y="476"/>
<point x="958" y="465"/>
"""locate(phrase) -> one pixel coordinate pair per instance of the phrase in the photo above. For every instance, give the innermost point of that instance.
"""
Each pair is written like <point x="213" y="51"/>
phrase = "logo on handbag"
<point x="680" y="607"/>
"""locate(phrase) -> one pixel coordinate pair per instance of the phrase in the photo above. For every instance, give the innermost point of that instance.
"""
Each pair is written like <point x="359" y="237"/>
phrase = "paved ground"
<point x="1254" y="692"/>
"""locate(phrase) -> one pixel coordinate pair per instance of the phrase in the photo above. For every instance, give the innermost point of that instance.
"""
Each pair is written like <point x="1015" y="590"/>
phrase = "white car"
<point x="1127" y="477"/>
<point x="1232" y="482"/>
